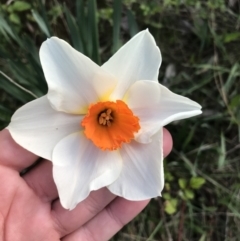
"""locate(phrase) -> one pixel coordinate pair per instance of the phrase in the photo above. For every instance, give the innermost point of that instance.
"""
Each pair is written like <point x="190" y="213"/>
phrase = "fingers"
<point x="167" y="142"/>
<point x="67" y="221"/>
<point x="109" y="221"/>
<point x="40" y="180"/>
<point x="12" y="155"/>
<point x="15" y="157"/>
<point x="18" y="158"/>
<point x="40" y="177"/>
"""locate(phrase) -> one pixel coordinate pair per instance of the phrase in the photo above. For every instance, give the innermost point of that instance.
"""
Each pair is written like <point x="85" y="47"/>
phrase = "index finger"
<point x="13" y="155"/>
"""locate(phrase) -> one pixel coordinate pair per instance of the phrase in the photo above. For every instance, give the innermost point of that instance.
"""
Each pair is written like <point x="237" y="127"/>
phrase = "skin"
<point x="30" y="209"/>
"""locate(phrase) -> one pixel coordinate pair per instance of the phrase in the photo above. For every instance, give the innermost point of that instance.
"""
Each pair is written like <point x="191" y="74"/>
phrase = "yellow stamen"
<point x="105" y="118"/>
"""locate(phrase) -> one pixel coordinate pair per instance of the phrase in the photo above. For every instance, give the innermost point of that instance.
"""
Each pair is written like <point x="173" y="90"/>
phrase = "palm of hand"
<point x="24" y="216"/>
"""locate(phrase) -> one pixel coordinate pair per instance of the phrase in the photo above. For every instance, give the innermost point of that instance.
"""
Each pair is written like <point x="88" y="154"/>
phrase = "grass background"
<point x="200" y="45"/>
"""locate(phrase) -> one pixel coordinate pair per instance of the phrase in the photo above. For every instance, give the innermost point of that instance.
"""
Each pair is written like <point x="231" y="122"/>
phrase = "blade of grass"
<point x="2" y="30"/>
<point x="93" y="30"/>
<point x="117" y="11"/>
<point x="73" y="30"/>
<point x="81" y="23"/>
<point x="10" y="30"/>
<point x="222" y="152"/>
<point x="18" y="85"/>
<point x="41" y="23"/>
<point x="31" y="48"/>
<point x="43" y="13"/>
<point x="156" y="229"/>
<point x="195" y="171"/>
<point x="189" y="137"/>
<point x="231" y="78"/>
<point x="133" y="27"/>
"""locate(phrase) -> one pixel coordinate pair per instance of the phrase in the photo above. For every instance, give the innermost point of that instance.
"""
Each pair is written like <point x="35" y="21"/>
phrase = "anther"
<point x="105" y="118"/>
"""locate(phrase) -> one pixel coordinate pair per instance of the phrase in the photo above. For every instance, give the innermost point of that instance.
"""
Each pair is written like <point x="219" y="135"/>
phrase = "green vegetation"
<point x="200" y="45"/>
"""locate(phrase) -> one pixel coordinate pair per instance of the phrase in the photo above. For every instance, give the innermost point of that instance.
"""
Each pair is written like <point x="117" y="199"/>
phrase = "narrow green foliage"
<point x="234" y="73"/>
<point x="222" y="152"/>
<point x="73" y="30"/>
<point x="14" y="90"/>
<point x="43" y="13"/>
<point x="133" y="26"/>
<point x="81" y="20"/>
<point x="93" y="31"/>
<point x="155" y="231"/>
<point x="117" y="14"/>
<point x="6" y="27"/>
<point x="41" y="23"/>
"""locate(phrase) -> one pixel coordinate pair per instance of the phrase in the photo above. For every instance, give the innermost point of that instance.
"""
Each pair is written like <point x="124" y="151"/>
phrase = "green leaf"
<point x="14" y="18"/>
<point x="93" y="31"/>
<point x="166" y="196"/>
<point x="197" y="182"/>
<point x="189" y="194"/>
<point x="133" y="27"/>
<point x="189" y="137"/>
<point x="9" y="30"/>
<point x="231" y="80"/>
<point x="169" y="177"/>
<point x="231" y="37"/>
<point x="182" y="182"/>
<point x="167" y="186"/>
<point x="117" y="11"/>
<point x="14" y="91"/>
<point x="203" y="237"/>
<point x="43" y="13"/>
<point x="222" y="152"/>
<point x="235" y="102"/>
<point x="73" y="30"/>
<point x="82" y="25"/>
<point x="10" y="8"/>
<point x="42" y="25"/>
<point x="171" y="206"/>
<point x="20" y="6"/>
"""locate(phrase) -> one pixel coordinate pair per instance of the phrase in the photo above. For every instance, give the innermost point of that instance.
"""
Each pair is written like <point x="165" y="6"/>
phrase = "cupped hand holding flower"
<point x="31" y="211"/>
<point x="100" y="133"/>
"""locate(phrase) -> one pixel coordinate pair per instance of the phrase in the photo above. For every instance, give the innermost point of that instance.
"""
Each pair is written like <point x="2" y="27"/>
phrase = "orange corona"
<point x="109" y="124"/>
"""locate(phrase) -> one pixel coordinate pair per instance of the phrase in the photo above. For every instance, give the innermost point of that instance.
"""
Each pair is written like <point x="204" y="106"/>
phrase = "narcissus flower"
<point x="101" y="126"/>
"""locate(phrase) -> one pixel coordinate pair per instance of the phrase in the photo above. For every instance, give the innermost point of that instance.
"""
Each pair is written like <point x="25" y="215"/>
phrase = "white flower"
<point x="101" y="126"/>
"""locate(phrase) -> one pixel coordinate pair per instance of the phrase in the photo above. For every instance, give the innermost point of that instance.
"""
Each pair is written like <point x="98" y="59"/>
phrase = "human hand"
<point x="31" y="211"/>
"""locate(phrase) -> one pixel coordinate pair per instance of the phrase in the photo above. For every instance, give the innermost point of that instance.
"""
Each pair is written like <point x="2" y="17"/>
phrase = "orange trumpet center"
<point x="109" y="124"/>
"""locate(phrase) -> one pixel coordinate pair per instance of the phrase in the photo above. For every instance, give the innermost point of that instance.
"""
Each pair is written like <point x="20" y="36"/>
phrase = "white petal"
<point x="38" y="127"/>
<point x="142" y="175"/>
<point x="80" y="167"/>
<point x="138" y="59"/>
<point x="156" y="106"/>
<point x="74" y="81"/>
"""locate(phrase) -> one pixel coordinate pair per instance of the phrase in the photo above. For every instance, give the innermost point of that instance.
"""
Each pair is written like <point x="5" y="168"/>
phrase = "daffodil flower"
<point x="101" y="126"/>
